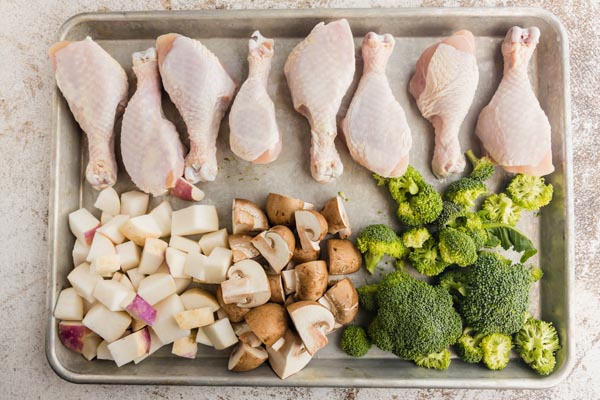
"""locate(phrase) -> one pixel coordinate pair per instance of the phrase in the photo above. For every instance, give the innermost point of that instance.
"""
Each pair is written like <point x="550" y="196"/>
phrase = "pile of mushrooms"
<point x="278" y="293"/>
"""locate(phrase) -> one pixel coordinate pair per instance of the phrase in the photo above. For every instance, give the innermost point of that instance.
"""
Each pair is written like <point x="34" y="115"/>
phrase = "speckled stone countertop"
<point x="27" y="28"/>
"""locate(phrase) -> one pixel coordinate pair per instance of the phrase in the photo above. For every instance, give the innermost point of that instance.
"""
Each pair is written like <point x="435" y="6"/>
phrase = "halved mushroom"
<point x="342" y="300"/>
<point x="246" y="285"/>
<point x="313" y="322"/>
<point x="312" y="228"/>
<point x="281" y="209"/>
<point x="247" y="217"/>
<point x="290" y="299"/>
<point x="246" y="358"/>
<point x="337" y="218"/>
<point x="245" y="334"/>
<point x="311" y="280"/>
<point x="344" y="258"/>
<point x="277" y="291"/>
<point x="241" y="247"/>
<point x="288" y="278"/>
<point x="290" y="357"/>
<point x="301" y="256"/>
<point x="233" y="312"/>
<point x="268" y="322"/>
<point x="276" y="245"/>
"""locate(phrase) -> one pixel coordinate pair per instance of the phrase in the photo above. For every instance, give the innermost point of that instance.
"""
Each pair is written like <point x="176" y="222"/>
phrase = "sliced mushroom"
<point x="301" y="256"/>
<point x="246" y="285"/>
<point x="342" y="300"/>
<point x="344" y="258"/>
<point x="268" y="322"/>
<point x="337" y="218"/>
<point x="288" y="278"/>
<point x="311" y="280"/>
<point x="233" y="312"/>
<point x="289" y="300"/>
<point x="312" y="228"/>
<point x="289" y="357"/>
<point x="246" y="358"/>
<point x="276" y="285"/>
<point x="247" y="217"/>
<point x="241" y="247"/>
<point x="245" y="334"/>
<point x="276" y="245"/>
<point x="281" y="209"/>
<point x="313" y="322"/>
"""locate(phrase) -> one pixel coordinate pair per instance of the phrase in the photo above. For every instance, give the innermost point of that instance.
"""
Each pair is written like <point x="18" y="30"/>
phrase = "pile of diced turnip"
<point x="135" y="284"/>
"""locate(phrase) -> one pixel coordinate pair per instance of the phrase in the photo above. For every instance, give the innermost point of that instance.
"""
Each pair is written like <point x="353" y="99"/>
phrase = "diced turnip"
<point x="181" y="284"/>
<point x="156" y="287"/>
<point x="191" y="319"/>
<point x="139" y="228"/>
<point x="130" y="347"/>
<point x="83" y="225"/>
<point x="210" y="241"/>
<point x="84" y="281"/>
<point x="185" y="347"/>
<point x="139" y="309"/>
<point x="135" y="277"/>
<point x="217" y="265"/>
<point x="111" y="294"/>
<point x="165" y="326"/>
<point x="134" y="203"/>
<point x="155" y="344"/>
<point x="87" y="306"/>
<point x="176" y="261"/>
<point x="105" y="217"/>
<point x="202" y="338"/>
<point x="153" y="255"/>
<point x="197" y="298"/>
<point x="110" y="325"/>
<point x="101" y="246"/>
<point x="163" y="269"/>
<point x="195" y="266"/>
<point x="184" y="244"/>
<point x="129" y="255"/>
<point x="105" y="265"/>
<point x="69" y="305"/>
<point x="108" y="201"/>
<point x="136" y="325"/>
<point x="123" y="280"/>
<point x="80" y="252"/>
<point x="186" y="191"/>
<point x="162" y="216"/>
<point x="103" y="353"/>
<point x="221" y="334"/>
<point x="194" y="220"/>
<point x="112" y="228"/>
<point x="72" y="333"/>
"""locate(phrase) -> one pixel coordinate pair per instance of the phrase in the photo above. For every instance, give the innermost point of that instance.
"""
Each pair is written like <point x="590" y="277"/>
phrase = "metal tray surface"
<point x="226" y="33"/>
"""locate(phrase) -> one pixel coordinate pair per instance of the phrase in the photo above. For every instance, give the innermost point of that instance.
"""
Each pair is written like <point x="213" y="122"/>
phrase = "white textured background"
<point x="27" y="28"/>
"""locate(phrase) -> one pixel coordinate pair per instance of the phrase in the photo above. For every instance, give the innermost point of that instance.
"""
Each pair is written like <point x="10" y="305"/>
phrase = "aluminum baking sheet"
<point x="226" y="33"/>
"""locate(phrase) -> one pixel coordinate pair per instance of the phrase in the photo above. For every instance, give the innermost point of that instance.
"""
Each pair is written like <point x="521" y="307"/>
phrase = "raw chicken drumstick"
<point x="95" y="87"/>
<point x="150" y="145"/>
<point x="253" y="132"/>
<point x="444" y="85"/>
<point x="375" y="126"/>
<point x="319" y="71"/>
<point x="201" y="90"/>
<point x="513" y="128"/>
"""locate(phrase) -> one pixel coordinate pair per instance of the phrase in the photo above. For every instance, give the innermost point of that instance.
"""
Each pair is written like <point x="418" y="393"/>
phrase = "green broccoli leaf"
<point x="510" y="237"/>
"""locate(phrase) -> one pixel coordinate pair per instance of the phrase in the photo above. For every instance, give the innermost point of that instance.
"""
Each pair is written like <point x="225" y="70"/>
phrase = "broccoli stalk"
<point x="483" y="168"/>
<point x="500" y="208"/>
<point x="438" y="360"/>
<point x="354" y="341"/>
<point x="375" y="241"/>
<point x="536" y="343"/>
<point x="529" y="192"/>
<point x="468" y="346"/>
<point x="496" y="348"/>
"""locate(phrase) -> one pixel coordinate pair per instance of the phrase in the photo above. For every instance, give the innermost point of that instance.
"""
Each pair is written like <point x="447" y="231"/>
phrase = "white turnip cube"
<point x="83" y="225"/>
<point x="136" y="325"/>
<point x="123" y="280"/>
<point x="111" y="294"/>
<point x="156" y="287"/>
<point x="202" y="338"/>
<point x="163" y="269"/>
<point x="108" y="201"/>
<point x="194" y="220"/>
<point x="80" y="252"/>
<point x="217" y="265"/>
<point x="221" y="334"/>
<point x="103" y="353"/>
<point x="112" y="228"/>
<point x="198" y="298"/>
<point x="69" y="305"/>
<point x="184" y="244"/>
<point x="129" y="255"/>
<point x="138" y="229"/>
<point x="165" y="326"/>
<point x="181" y="284"/>
<point x="105" y="218"/>
<point x="135" y="277"/>
<point x="87" y="306"/>
<point x="110" y="325"/>
<point x="134" y="203"/>
<point x="101" y="246"/>
<point x="191" y="319"/>
<point x="153" y="255"/>
<point x="78" y="338"/>
<point x="105" y="265"/>
<point x="195" y="266"/>
<point x="155" y="344"/>
<point x="130" y="347"/>
<point x="139" y="309"/>
<point x="162" y="216"/>
<point x="185" y="347"/>
<point x="84" y="281"/>
<point x="90" y="346"/>
<point x="176" y="261"/>
<point x="210" y="241"/>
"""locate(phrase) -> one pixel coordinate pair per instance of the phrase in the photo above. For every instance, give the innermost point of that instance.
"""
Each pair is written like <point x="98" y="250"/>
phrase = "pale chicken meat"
<point x="253" y="132"/>
<point x="375" y="128"/>
<point x="319" y="71"/>
<point x="444" y="86"/>
<point x="201" y="90"/>
<point x="513" y="128"/>
<point x="95" y="87"/>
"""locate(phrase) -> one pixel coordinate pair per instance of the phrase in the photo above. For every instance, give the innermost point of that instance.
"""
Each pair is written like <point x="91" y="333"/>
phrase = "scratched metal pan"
<point x="226" y="33"/>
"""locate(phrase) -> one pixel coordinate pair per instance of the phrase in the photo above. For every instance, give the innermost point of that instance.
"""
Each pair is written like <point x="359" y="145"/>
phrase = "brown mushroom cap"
<point x="343" y="299"/>
<point x="337" y="218"/>
<point x="268" y="322"/>
<point x="280" y="208"/>
<point x="247" y="217"/>
<point x="311" y="280"/>
<point x="233" y="312"/>
<point x="277" y="291"/>
<point x="344" y="258"/>
<point x="301" y="256"/>
<point x="245" y="358"/>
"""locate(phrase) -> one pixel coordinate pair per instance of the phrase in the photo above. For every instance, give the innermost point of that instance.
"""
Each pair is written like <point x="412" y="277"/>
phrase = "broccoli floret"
<point x="414" y="318"/>
<point x="529" y="192"/>
<point x="427" y="259"/>
<point x="468" y="346"/>
<point x="536" y="273"/>
<point x="415" y="237"/>
<point x="377" y="240"/>
<point x="483" y="168"/>
<point x="465" y="191"/>
<point x="457" y="247"/>
<point x="454" y="281"/>
<point x="367" y="297"/>
<point x="438" y="360"/>
<point x="496" y="350"/>
<point x="500" y="208"/>
<point x="354" y="341"/>
<point x="536" y="343"/>
<point x="450" y="213"/>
